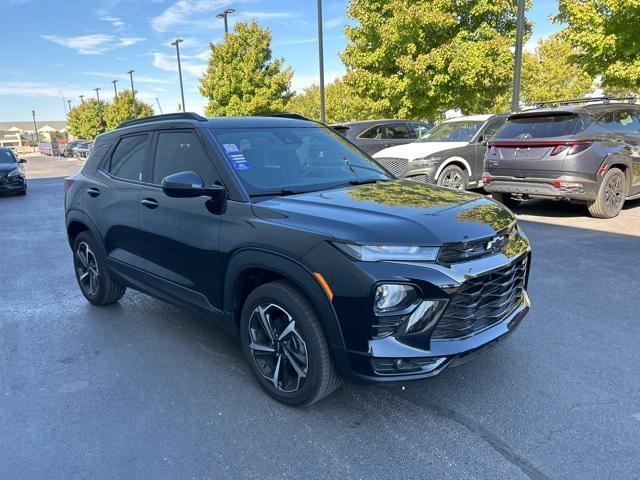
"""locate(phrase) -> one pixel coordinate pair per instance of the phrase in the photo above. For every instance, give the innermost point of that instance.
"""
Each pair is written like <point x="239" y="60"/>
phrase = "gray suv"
<point x="582" y="152"/>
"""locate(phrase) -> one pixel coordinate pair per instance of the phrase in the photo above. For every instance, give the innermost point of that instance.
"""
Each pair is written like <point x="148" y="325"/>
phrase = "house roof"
<point x="28" y="125"/>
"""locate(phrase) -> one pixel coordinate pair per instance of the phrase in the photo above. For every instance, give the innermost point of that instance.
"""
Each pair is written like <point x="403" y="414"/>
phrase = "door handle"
<point x="93" y="192"/>
<point x="149" y="203"/>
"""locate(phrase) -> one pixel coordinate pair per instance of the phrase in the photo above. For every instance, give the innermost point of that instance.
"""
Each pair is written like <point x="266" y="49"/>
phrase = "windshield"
<point x="6" y="156"/>
<point x="297" y="159"/>
<point x="541" y="126"/>
<point x="460" y="131"/>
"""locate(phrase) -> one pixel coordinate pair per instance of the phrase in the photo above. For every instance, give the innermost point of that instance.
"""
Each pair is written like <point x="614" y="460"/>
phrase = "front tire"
<point x="453" y="177"/>
<point x="285" y="346"/>
<point x="91" y="272"/>
<point x="610" y="197"/>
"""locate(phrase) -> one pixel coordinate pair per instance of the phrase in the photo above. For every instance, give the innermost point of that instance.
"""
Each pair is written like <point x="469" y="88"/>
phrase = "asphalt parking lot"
<point x="144" y="390"/>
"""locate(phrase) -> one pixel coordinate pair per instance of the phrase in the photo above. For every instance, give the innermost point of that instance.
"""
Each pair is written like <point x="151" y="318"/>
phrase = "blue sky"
<point x="54" y="49"/>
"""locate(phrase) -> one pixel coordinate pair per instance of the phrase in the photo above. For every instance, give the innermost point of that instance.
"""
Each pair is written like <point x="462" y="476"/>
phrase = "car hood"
<point x="7" y="167"/>
<point x="397" y="211"/>
<point x="415" y="150"/>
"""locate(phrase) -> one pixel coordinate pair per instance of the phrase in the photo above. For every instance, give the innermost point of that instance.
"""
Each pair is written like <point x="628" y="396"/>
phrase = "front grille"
<point x="397" y="166"/>
<point x="422" y="178"/>
<point x="483" y="301"/>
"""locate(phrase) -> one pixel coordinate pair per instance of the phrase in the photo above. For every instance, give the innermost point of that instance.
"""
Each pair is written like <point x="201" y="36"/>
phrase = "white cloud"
<point x="269" y="15"/>
<point x="95" y="44"/>
<point x="168" y="63"/>
<point x="40" y="89"/>
<point x="115" y="21"/>
<point x="333" y="22"/>
<point x="188" y="13"/>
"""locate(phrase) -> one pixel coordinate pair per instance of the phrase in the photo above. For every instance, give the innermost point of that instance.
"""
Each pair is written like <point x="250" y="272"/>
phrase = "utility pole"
<point x="69" y="102"/>
<point x="115" y="89"/>
<point x="158" y="102"/>
<point x="133" y="93"/>
<point x="224" y="14"/>
<point x="177" y="42"/>
<point x="517" y="67"/>
<point x="321" y="62"/>
<point x="81" y="98"/>
<point x="35" y="127"/>
<point x="97" y="90"/>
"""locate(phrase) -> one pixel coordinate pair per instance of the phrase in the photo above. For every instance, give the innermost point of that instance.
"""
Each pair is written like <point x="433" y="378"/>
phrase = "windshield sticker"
<point x="231" y="148"/>
<point x="239" y="161"/>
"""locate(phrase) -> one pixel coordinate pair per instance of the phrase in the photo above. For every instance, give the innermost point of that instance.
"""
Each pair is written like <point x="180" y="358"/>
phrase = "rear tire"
<point x="453" y="177"/>
<point x="506" y="199"/>
<point x="284" y="344"/>
<point x="91" y="271"/>
<point x="610" y="198"/>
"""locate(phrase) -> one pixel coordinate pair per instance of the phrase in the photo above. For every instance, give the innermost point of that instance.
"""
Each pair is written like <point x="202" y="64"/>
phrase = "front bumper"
<point x="12" y="184"/>
<point x="545" y="188"/>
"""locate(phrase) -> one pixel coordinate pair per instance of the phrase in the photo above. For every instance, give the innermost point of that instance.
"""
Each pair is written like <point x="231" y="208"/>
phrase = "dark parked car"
<point x="374" y="135"/>
<point x="284" y="233"/>
<point x="68" y="149"/>
<point x="584" y="153"/>
<point x="451" y="154"/>
<point x="12" y="176"/>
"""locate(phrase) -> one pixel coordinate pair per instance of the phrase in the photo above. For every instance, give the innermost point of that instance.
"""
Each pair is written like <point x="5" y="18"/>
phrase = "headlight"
<point x="14" y="173"/>
<point x="390" y="297"/>
<point x="425" y="162"/>
<point x="376" y="253"/>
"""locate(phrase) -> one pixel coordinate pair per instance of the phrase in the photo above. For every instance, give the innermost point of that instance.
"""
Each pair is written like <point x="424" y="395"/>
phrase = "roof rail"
<point x="294" y="116"/>
<point x="166" y="116"/>
<point x="574" y="101"/>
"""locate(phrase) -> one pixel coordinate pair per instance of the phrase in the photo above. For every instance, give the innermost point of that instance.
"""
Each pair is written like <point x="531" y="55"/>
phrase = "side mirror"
<point x="22" y="160"/>
<point x="188" y="184"/>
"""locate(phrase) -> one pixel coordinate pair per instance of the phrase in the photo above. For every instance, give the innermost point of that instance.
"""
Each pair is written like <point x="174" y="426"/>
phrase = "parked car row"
<point x="584" y="151"/>
<point x="12" y="174"/>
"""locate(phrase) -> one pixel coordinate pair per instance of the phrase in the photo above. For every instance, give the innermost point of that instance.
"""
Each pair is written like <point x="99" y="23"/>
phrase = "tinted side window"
<point x="416" y="130"/>
<point x="128" y="158"/>
<point x="629" y="121"/>
<point x="396" y="131"/>
<point x="608" y="121"/>
<point x="373" y="132"/>
<point x="178" y="152"/>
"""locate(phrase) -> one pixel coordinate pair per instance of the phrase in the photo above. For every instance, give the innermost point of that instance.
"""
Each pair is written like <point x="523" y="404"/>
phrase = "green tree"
<point x="242" y="78"/>
<point x="341" y="104"/>
<point x="419" y="58"/>
<point x="86" y="120"/>
<point x="551" y="73"/>
<point x="605" y="35"/>
<point x="124" y="107"/>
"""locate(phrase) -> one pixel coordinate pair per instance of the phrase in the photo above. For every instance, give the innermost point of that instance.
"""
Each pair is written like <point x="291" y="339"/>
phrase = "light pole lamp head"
<point x="130" y="72"/>
<point x="220" y="15"/>
<point x="177" y="41"/>
<point x="229" y="10"/>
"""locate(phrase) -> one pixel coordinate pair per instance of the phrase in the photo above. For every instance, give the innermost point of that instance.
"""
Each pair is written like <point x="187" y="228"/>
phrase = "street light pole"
<point x="321" y="62"/>
<point x="177" y="43"/>
<point x="517" y="67"/>
<point x="97" y="90"/>
<point x="81" y="98"/>
<point x="133" y="93"/>
<point x="115" y="89"/>
<point x="224" y="15"/>
<point x="35" y="127"/>
<point x="69" y="102"/>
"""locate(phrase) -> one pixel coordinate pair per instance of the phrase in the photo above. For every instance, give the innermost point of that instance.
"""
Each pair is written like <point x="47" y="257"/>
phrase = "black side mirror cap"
<point x="188" y="184"/>
<point x="22" y="160"/>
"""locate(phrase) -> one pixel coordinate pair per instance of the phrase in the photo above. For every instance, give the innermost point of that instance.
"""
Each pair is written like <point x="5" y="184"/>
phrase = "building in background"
<point x="21" y="134"/>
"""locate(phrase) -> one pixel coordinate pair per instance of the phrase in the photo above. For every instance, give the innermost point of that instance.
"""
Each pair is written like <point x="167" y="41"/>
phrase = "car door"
<point x="111" y="198"/>
<point x="396" y="133"/>
<point x="485" y="134"/>
<point x="181" y="235"/>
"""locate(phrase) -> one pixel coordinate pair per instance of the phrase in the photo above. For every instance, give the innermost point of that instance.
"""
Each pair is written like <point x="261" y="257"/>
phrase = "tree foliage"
<point x="419" y="58"/>
<point x="86" y="120"/>
<point x="605" y="34"/>
<point x="124" y="107"/>
<point x="340" y="103"/>
<point x="242" y="78"/>
<point x="551" y="73"/>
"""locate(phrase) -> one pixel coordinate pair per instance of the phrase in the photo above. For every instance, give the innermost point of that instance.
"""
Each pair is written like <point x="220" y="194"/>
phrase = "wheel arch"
<point x="621" y="164"/>
<point x="78" y="222"/>
<point x="250" y="268"/>
<point x="456" y="160"/>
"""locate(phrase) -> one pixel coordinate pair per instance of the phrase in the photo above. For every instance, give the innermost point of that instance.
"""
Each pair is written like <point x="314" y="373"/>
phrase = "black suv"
<point x="12" y="174"/>
<point x="288" y="235"/>
<point x="582" y="152"/>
